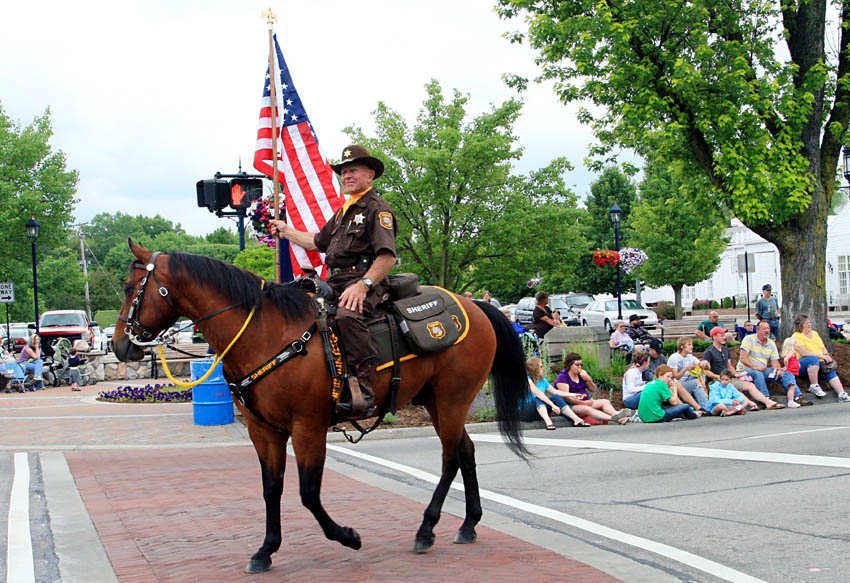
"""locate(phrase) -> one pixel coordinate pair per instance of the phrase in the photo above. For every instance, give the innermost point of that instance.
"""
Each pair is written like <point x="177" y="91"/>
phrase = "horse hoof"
<point x="462" y="538"/>
<point x="258" y="566"/>
<point x="350" y="539"/>
<point x="422" y="546"/>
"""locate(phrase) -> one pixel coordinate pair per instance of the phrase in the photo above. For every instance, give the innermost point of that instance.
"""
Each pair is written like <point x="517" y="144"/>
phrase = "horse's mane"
<point x="240" y="285"/>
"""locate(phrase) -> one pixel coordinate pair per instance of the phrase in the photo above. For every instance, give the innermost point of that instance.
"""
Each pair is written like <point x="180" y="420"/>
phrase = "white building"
<point x="762" y="264"/>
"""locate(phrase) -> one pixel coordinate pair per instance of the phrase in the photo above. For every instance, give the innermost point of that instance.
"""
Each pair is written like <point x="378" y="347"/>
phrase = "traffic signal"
<point x="244" y="191"/>
<point x="213" y="194"/>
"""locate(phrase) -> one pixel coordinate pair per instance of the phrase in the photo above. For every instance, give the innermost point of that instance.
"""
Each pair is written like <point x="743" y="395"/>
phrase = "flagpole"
<point x="270" y="20"/>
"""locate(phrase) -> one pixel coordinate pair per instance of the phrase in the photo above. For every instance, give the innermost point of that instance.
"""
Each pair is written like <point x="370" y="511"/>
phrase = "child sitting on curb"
<point x="74" y="369"/>
<point x="724" y="399"/>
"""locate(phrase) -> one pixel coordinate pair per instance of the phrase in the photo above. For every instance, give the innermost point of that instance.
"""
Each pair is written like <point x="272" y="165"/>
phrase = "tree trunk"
<point x="802" y="252"/>
<point x="677" y="300"/>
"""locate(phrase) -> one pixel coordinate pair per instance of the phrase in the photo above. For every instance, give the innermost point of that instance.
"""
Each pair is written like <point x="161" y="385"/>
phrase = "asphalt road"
<point x="762" y="497"/>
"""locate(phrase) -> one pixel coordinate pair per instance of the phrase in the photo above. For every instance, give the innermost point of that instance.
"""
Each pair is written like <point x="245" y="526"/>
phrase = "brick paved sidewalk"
<point x="198" y="515"/>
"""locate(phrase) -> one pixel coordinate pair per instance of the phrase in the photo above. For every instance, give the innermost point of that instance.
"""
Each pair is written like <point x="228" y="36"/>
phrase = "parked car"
<point x="577" y="302"/>
<point x="603" y="313"/>
<point x="99" y="340"/>
<point x="19" y="334"/>
<point x="71" y="324"/>
<point x="109" y="331"/>
<point x="525" y="311"/>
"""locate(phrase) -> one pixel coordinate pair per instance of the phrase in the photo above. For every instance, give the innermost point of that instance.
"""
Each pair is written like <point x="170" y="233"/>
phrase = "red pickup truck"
<point x="71" y="324"/>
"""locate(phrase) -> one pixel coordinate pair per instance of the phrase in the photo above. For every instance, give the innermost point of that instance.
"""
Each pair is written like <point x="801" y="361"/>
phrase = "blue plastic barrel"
<point x="212" y="404"/>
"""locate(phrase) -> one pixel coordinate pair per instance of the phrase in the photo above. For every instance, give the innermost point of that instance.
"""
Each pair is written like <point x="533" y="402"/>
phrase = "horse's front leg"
<point x="271" y="449"/>
<point x="309" y="445"/>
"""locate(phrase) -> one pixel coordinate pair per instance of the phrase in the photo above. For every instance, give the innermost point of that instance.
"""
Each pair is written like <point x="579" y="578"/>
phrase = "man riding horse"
<point x="359" y="247"/>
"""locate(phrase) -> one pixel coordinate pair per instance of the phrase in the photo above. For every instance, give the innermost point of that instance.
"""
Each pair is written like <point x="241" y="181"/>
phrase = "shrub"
<point x="701" y="304"/>
<point x="390" y="419"/>
<point x="618" y="364"/>
<point x="483" y="407"/>
<point x="665" y="310"/>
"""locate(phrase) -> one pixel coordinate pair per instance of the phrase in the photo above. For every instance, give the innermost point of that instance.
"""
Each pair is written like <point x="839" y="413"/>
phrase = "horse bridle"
<point x="146" y="337"/>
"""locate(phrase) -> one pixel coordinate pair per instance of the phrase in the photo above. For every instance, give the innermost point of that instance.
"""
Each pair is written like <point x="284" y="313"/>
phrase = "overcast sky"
<point x="147" y="97"/>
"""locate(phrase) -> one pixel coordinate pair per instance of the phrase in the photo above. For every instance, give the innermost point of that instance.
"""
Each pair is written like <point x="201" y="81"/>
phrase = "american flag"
<point x="312" y="192"/>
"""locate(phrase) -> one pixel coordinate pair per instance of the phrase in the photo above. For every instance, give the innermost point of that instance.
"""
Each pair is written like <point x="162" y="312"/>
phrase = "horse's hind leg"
<point x="466" y="456"/>
<point x="310" y="455"/>
<point x="271" y="449"/>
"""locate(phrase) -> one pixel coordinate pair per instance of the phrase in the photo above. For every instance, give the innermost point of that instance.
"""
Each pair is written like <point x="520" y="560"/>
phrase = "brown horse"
<point x="295" y="399"/>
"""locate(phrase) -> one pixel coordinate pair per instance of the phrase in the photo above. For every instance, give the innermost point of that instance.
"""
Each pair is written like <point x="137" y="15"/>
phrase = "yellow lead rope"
<point x="217" y="360"/>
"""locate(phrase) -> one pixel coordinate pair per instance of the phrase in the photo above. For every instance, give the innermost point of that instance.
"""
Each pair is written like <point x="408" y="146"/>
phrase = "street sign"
<point x="7" y="292"/>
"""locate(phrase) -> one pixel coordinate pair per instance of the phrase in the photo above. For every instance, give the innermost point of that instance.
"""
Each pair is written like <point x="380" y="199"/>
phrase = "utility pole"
<point x="85" y="267"/>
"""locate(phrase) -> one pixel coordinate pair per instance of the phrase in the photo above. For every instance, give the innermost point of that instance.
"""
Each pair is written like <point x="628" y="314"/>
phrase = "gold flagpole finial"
<point x="269" y="16"/>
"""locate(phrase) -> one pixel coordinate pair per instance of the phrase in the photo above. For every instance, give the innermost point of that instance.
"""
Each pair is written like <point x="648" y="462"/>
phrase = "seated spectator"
<point x="724" y="399"/>
<point x="636" y="331"/>
<point x="542" y="315"/>
<point x="703" y="331"/>
<point x="658" y="403"/>
<point x="512" y="319"/>
<point x="30" y="359"/>
<point x="760" y="360"/>
<point x="656" y="359"/>
<point x="619" y="339"/>
<point x="556" y="315"/>
<point x="814" y="357"/>
<point x="745" y="330"/>
<point x="688" y="372"/>
<point x="572" y="384"/>
<point x="539" y="404"/>
<point x="633" y="382"/>
<point x="716" y="359"/>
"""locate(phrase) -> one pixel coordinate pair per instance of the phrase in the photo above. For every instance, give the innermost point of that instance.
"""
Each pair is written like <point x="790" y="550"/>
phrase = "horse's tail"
<point x="508" y="378"/>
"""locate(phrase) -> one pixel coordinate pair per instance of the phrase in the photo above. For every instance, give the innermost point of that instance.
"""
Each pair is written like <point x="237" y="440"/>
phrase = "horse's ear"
<point x="138" y="251"/>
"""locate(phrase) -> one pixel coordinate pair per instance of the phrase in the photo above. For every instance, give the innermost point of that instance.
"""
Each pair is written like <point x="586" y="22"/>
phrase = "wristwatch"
<point x="368" y="282"/>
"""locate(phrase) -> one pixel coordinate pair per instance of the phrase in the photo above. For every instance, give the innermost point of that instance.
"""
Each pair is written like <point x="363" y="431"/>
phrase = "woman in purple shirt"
<point x="572" y="384"/>
<point x="30" y="360"/>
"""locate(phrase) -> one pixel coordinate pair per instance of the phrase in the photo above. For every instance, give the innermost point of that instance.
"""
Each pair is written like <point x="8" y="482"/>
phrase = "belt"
<point x="357" y="268"/>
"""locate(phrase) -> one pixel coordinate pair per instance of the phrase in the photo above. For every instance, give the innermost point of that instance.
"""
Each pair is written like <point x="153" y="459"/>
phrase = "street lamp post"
<point x="32" y="233"/>
<point x="615" y="214"/>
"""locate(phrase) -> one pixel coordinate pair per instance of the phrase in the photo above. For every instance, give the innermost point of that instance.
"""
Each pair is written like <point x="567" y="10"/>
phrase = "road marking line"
<point x="797" y="432"/>
<point x="724" y="454"/>
<point x="684" y="557"/>
<point x="19" y="561"/>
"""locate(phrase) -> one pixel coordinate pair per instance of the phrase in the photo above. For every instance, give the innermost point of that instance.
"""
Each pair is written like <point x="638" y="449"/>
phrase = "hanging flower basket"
<point x="260" y="213"/>
<point x="631" y="257"/>
<point x="606" y="257"/>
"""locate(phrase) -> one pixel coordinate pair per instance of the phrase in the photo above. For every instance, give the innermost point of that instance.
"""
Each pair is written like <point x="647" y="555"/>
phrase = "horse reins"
<point x="133" y="322"/>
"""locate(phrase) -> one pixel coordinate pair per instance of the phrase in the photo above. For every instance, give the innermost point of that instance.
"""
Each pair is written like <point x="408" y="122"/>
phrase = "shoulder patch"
<point x="385" y="219"/>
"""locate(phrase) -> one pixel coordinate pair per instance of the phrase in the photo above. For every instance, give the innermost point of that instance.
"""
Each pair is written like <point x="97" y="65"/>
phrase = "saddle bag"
<point x="425" y="322"/>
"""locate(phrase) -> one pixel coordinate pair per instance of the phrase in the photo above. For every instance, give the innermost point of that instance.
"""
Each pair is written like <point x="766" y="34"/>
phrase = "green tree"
<point x="34" y="182"/>
<point x="612" y="186"/>
<point x="223" y="236"/>
<point x="449" y="181"/>
<point x="707" y="83"/>
<point x="257" y="259"/>
<point x="682" y="235"/>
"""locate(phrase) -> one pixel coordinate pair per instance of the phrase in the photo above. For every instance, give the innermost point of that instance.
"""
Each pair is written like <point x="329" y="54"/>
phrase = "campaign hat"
<point x="355" y="154"/>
